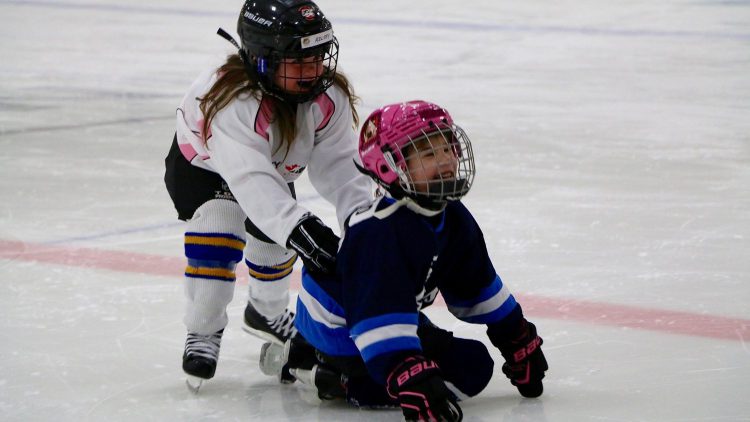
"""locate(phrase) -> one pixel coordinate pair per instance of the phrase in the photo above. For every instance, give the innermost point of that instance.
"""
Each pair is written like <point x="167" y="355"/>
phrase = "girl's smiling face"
<point x="430" y="159"/>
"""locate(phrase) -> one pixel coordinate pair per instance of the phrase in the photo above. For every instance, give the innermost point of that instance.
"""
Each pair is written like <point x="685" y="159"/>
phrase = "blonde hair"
<point x="233" y="81"/>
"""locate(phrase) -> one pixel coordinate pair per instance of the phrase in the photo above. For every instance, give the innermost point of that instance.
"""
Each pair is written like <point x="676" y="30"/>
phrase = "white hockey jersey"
<point x="245" y="149"/>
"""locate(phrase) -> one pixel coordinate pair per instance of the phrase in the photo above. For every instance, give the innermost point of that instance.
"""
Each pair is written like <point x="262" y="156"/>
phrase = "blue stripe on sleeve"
<point x="385" y="334"/>
<point x="485" y="294"/>
<point x="331" y="341"/>
<point x="492" y="304"/>
<point x="383" y="320"/>
<point x="309" y="284"/>
<point x="494" y="316"/>
<point x="393" y="344"/>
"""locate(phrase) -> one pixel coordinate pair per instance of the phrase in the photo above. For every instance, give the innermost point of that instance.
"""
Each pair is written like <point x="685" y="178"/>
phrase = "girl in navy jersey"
<point x="245" y="131"/>
<point x="362" y="334"/>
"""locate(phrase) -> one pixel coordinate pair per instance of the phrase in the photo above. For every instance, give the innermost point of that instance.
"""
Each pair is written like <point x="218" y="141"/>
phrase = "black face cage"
<point x="445" y="158"/>
<point x="313" y="75"/>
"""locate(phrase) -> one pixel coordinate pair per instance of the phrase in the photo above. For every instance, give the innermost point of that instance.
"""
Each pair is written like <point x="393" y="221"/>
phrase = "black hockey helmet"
<point x="294" y="31"/>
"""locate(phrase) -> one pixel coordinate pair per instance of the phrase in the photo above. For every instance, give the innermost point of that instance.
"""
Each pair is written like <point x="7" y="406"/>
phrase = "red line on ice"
<point x="674" y="322"/>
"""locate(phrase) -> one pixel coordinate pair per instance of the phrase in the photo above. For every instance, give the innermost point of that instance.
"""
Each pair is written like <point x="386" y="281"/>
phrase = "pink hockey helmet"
<point x="397" y="135"/>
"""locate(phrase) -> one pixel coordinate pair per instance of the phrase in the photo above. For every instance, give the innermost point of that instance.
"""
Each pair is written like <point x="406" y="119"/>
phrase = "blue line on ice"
<point x="432" y="24"/>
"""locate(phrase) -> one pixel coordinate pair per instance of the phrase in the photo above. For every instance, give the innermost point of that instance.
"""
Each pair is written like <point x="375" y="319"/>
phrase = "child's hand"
<point x="524" y="361"/>
<point x="315" y="243"/>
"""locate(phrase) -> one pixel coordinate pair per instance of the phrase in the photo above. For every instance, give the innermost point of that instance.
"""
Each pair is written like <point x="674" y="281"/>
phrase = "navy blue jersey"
<point x="392" y="263"/>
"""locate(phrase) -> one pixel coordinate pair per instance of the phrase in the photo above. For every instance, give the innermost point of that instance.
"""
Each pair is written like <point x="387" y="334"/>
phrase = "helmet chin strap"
<point x="224" y="34"/>
<point x="426" y="202"/>
<point x="419" y="208"/>
<point x="246" y="60"/>
<point x="457" y="188"/>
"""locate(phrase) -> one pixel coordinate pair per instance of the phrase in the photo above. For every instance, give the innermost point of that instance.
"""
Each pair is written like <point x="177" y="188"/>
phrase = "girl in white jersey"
<point x="245" y="132"/>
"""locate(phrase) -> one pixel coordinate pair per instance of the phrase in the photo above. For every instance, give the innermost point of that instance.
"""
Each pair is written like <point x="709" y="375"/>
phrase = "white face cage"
<point x="303" y="75"/>
<point x="436" y="166"/>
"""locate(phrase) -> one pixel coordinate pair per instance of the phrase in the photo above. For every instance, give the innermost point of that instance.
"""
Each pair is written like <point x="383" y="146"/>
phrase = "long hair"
<point x="234" y="81"/>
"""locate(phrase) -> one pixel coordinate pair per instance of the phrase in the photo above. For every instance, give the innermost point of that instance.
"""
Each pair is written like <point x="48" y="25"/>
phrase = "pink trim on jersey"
<point x="187" y="151"/>
<point x="263" y="118"/>
<point x="327" y="107"/>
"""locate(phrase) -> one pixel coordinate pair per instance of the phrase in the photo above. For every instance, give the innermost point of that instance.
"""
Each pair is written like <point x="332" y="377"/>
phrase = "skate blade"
<point x="304" y="376"/>
<point x="194" y="383"/>
<point x="261" y="334"/>
<point x="271" y="359"/>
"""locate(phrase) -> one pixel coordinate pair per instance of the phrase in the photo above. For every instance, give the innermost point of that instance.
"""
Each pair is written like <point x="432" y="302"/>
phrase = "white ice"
<point x="613" y="187"/>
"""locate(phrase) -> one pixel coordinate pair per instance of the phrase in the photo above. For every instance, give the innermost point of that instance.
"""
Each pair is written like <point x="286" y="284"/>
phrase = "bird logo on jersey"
<point x="294" y="168"/>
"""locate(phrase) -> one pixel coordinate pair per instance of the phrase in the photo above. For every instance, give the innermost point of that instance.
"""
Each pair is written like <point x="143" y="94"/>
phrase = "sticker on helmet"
<point x="317" y="39"/>
<point x="307" y="12"/>
<point x="371" y="130"/>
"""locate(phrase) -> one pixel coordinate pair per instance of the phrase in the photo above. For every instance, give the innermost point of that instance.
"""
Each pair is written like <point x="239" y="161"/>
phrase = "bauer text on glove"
<point x="418" y="386"/>
<point x="524" y="361"/>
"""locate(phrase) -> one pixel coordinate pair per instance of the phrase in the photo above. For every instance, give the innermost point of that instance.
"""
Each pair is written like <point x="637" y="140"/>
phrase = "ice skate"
<point x="194" y="383"/>
<point x="296" y="360"/>
<point x="275" y="359"/>
<point x="200" y="358"/>
<point x="273" y="362"/>
<point x="271" y="359"/>
<point x="277" y="330"/>
<point x="328" y="383"/>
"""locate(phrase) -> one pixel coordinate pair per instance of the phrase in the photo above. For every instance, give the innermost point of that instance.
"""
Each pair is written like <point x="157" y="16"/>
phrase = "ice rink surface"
<point x="613" y="187"/>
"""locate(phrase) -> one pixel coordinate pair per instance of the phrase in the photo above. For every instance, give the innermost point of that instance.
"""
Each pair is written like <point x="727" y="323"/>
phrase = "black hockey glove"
<point x="418" y="386"/>
<point x="315" y="243"/>
<point x="524" y="361"/>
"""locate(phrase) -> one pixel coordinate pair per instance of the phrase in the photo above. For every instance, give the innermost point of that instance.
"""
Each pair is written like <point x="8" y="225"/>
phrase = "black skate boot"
<point x="277" y="330"/>
<point x="327" y="381"/>
<point x="200" y="357"/>
<point x="276" y="360"/>
<point x="298" y="360"/>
